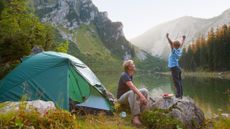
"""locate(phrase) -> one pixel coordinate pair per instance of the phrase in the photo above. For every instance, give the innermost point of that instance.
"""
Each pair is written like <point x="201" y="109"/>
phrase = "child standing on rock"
<point x="173" y="64"/>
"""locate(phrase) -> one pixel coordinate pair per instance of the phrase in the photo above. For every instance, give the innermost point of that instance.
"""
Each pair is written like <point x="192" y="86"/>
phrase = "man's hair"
<point x="176" y="44"/>
<point x="126" y="64"/>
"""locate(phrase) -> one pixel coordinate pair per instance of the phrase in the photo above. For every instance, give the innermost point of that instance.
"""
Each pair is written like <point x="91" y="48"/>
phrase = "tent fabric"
<point x="95" y="97"/>
<point x="54" y="76"/>
<point x="79" y="88"/>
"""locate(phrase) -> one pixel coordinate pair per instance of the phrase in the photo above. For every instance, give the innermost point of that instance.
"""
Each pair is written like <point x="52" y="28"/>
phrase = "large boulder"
<point x="39" y="105"/>
<point x="183" y="110"/>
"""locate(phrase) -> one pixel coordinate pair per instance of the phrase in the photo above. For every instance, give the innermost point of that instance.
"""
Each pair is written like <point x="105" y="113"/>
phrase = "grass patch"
<point x="102" y="121"/>
<point x="60" y="119"/>
<point x="90" y="43"/>
<point x="217" y="123"/>
<point x="92" y="51"/>
<point x="222" y="123"/>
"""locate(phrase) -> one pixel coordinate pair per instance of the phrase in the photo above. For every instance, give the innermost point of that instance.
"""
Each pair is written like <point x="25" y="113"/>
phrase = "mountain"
<point x="67" y="16"/>
<point x="154" y="41"/>
<point x="93" y="37"/>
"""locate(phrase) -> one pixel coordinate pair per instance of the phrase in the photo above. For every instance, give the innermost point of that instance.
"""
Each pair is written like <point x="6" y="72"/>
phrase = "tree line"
<point x="211" y="53"/>
<point x="20" y="31"/>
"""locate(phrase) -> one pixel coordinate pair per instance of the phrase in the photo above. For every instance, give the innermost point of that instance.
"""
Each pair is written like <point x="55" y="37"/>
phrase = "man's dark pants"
<point x="176" y="75"/>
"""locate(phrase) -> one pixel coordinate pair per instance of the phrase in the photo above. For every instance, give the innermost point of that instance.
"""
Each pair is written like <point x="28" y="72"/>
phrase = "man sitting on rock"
<point x="127" y="92"/>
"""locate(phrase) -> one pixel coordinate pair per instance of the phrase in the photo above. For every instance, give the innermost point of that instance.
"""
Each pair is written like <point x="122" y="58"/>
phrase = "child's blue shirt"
<point x="173" y="59"/>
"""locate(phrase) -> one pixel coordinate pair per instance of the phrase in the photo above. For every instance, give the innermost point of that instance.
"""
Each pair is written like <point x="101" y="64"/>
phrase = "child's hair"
<point x="176" y="44"/>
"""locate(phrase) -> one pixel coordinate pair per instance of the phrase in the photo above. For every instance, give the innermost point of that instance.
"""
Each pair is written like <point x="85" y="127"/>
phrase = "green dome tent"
<point x="56" y="77"/>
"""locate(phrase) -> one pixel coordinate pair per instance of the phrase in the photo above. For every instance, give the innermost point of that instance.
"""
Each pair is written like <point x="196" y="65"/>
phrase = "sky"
<point x="138" y="16"/>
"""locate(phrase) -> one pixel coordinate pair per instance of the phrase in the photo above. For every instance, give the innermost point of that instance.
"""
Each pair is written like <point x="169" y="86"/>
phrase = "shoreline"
<point x="203" y="74"/>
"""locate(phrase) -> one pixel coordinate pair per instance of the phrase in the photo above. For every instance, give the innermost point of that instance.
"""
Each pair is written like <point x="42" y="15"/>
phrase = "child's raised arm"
<point x="169" y="40"/>
<point x="183" y="39"/>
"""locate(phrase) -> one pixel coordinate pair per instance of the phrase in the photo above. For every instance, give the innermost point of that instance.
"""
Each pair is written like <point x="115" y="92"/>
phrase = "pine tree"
<point x="227" y="49"/>
<point x="203" y="53"/>
<point x="224" y="52"/>
<point x="211" y="53"/>
<point x="211" y="48"/>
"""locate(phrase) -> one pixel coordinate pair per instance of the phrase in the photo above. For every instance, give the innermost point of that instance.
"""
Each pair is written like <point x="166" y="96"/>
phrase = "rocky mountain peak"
<point x="68" y="15"/>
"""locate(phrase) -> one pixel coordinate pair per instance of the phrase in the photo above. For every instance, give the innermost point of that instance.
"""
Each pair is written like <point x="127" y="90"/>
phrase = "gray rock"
<point x="36" y="49"/>
<point x="39" y="105"/>
<point x="184" y="110"/>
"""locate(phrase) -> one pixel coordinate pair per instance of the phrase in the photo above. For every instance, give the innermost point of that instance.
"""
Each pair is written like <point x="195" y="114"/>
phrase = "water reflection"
<point x="209" y="94"/>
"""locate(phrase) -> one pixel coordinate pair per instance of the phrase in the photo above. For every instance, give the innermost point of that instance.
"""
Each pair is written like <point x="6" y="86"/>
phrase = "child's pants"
<point x="176" y="75"/>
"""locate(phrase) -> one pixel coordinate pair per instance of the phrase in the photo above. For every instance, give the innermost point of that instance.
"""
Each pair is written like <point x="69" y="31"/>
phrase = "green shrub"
<point x="158" y="119"/>
<point x="24" y="119"/>
<point x="6" y="68"/>
<point x="62" y="47"/>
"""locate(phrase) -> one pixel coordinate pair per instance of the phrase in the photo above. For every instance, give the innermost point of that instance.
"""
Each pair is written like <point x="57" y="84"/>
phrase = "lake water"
<point x="211" y="95"/>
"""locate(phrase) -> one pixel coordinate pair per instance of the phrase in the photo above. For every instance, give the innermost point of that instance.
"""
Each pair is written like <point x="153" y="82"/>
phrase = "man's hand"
<point x="143" y="100"/>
